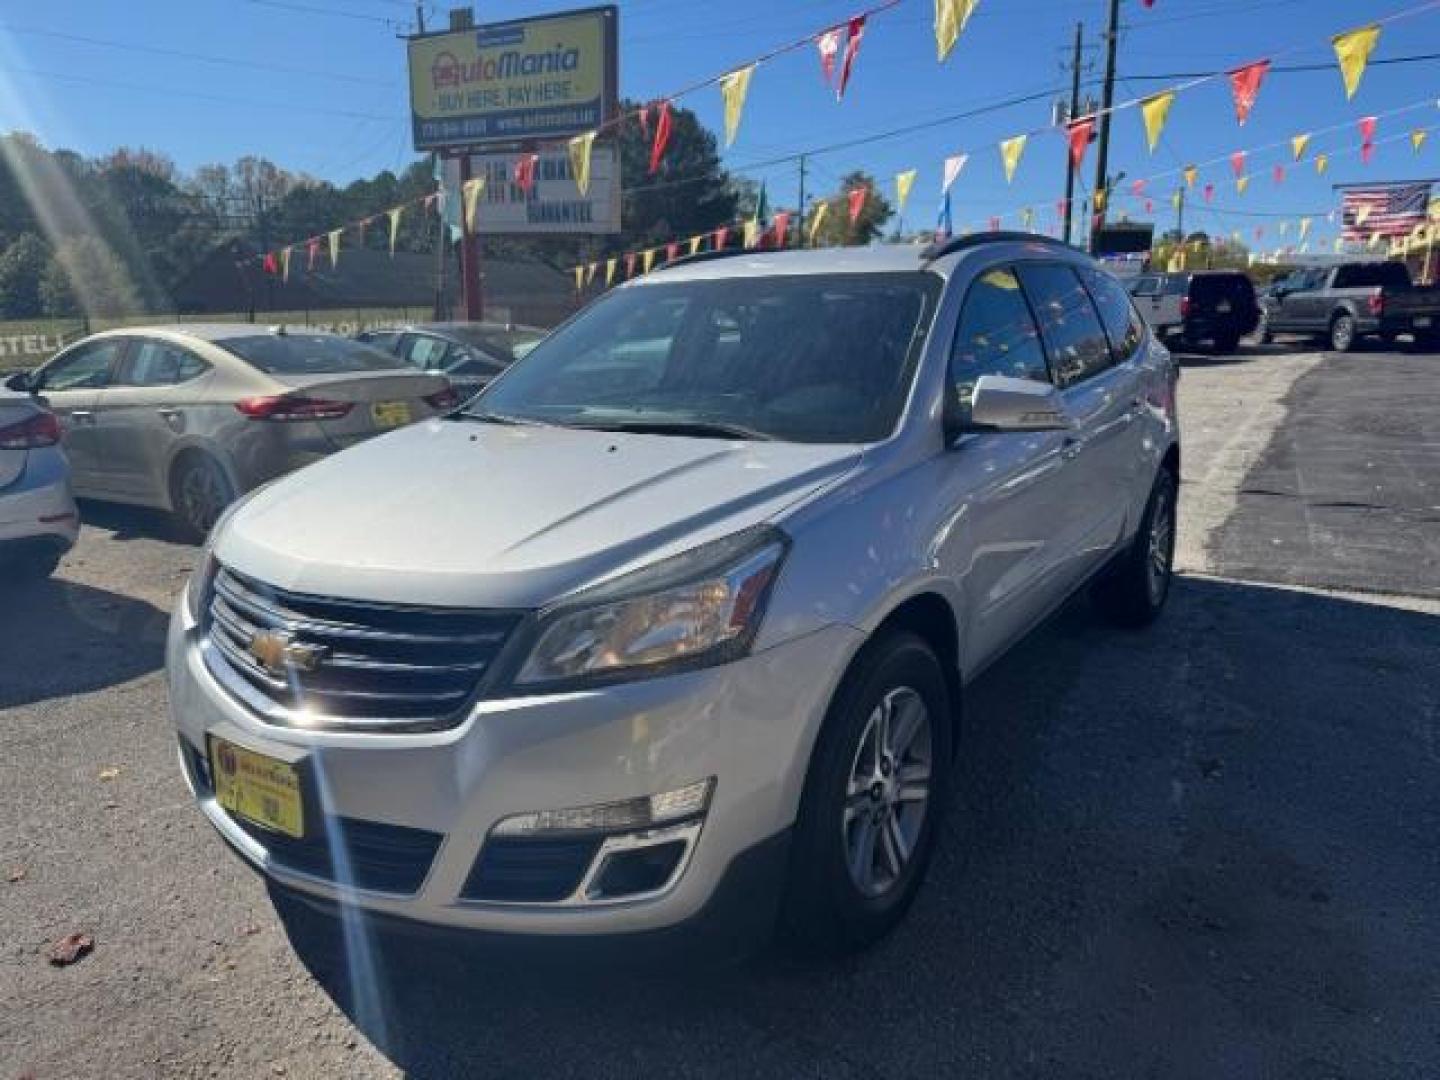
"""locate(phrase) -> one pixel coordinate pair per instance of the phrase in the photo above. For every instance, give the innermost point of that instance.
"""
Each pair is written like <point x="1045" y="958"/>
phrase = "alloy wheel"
<point x="203" y="496"/>
<point x="1160" y="548"/>
<point x="888" y="794"/>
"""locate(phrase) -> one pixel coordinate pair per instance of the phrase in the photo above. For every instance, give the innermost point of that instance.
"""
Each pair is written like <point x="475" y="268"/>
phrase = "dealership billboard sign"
<point x="546" y="77"/>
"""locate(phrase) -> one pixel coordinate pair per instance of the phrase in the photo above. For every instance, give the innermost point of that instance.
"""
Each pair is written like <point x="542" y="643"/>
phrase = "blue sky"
<point x="338" y="108"/>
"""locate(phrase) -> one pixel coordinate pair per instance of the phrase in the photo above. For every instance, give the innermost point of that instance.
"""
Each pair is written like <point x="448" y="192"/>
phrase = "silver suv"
<point x="673" y="623"/>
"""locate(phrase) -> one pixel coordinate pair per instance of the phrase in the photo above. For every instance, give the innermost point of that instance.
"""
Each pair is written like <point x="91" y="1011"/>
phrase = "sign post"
<point x="500" y="88"/>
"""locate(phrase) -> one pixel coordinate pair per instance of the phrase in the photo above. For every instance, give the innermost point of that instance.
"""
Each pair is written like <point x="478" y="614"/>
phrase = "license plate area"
<point x="1223" y="307"/>
<point x="1423" y="322"/>
<point x="262" y="790"/>
<point x="389" y="414"/>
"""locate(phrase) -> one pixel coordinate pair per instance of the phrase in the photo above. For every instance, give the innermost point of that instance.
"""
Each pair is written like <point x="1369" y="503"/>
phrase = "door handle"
<point x="1070" y="448"/>
<point x="82" y="416"/>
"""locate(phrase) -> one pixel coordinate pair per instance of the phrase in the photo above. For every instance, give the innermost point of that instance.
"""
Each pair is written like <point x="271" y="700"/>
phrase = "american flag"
<point x="1392" y="210"/>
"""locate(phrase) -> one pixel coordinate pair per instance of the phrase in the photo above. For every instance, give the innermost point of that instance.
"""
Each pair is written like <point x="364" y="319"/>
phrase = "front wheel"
<point x="872" y="800"/>
<point x="1263" y="333"/>
<point x="1133" y="592"/>
<point x="1342" y="333"/>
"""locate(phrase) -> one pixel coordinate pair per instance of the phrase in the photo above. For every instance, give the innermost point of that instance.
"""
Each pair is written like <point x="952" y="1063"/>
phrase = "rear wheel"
<point x="1133" y="592"/>
<point x="1263" y="331"/>
<point x="1387" y="338"/>
<point x="1427" y="342"/>
<point x="1342" y="333"/>
<point x="200" y="492"/>
<point x="1227" y="344"/>
<point x="874" y="793"/>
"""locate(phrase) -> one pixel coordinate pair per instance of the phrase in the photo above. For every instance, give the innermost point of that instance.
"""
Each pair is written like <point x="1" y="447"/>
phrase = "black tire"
<point x="1342" y="332"/>
<point x="826" y="910"/>
<point x="1429" y="342"/>
<point x="1387" y="338"/>
<point x="1132" y="593"/>
<point x="1227" y="345"/>
<point x="1263" y="332"/>
<point x="200" y="491"/>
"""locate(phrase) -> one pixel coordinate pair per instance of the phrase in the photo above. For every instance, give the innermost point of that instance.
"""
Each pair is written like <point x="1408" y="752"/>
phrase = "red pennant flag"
<point x="1081" y="132"/>
<point x="1149" y="206"/>
<point x="1148" y="3"/>
<point x="270" y="264"/>
<point x="1259" y="231"/>
<point x="1061" y="205"/>
<point x="853" y="33"/>
<point x="525" y="172"/>
<point x="1367" y="152"/>
<point x="430" y="200"/>
<point x="312" y="248"/>
<point x="782" y="226"/>
<point x="1367" y="129"/>
<point x="1209" y="193"/>
<point x="644" y="117"/>
<point x="662" y="137"/>
<point x="829" y="45"/>
<point x="1279" y="174"/>
<point x="629" y="264"/>
<point x="1137" y="188"/>
<point x="857" y="202"/>
<point x="994" y="224"/>
<point x="672" y="251"/>
<point x="1245" y="83"/>
<point x="1237" y="162"/>
<point x="722" y="234"/>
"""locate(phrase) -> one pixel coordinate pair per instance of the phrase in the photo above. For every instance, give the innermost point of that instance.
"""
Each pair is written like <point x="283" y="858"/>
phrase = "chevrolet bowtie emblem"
<point x="278" y="652"/>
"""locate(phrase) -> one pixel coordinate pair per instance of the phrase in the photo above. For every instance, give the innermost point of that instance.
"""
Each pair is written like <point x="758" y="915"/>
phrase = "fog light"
<point x="627" y="815"/>
<point x="643" y="870"/>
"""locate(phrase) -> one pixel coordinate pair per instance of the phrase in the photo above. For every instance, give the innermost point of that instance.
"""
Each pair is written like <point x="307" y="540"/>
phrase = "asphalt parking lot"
<point x="1204" y="851"/>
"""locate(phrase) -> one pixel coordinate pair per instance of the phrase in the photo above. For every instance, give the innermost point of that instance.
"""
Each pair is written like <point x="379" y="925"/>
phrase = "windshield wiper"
<point x="699" y="429"/>
<point x="494" y="418"/>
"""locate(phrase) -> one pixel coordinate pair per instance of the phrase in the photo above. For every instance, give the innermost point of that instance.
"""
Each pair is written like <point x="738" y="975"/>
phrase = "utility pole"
<point x="800" y="213"/>
<point x="1102" y="162"/>
<point x="1074" y="110"/>
<point x="1180" y="214"/>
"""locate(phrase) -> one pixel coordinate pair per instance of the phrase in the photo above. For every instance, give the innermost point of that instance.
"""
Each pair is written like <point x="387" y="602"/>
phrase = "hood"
<point x="471" y="514"/>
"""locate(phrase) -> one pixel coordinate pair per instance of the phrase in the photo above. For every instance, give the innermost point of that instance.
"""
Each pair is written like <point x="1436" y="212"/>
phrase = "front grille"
<point x="348" y="851"/>
<point x="379" y="665"/>
<point x="529" y="871"/>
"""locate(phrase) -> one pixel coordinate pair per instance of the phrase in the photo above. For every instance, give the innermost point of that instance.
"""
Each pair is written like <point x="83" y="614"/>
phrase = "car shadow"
<point x="131" y="522"/>
<point x="1247" y="352"/>
<point x="1193" y="851"/>
<point x="59" y="638"/>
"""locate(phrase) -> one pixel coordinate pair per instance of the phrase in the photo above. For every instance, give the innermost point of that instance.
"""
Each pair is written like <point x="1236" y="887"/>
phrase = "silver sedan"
<point x="188" y="418"/>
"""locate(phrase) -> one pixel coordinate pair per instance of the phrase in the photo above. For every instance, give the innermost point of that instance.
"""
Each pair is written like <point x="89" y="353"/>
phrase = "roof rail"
<point x="939" y="250"/>
<point x="723" y="253"/>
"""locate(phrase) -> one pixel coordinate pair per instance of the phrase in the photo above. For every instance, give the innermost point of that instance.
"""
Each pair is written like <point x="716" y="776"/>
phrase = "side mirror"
<point x="19" y="382"/>
<point x="1002" y="404"/>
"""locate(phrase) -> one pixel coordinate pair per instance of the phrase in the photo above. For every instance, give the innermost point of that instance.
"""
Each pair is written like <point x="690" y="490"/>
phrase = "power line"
<point x="309" y="9"/>
<point x="1288" y="69"/>
<point x="156" y="50"/>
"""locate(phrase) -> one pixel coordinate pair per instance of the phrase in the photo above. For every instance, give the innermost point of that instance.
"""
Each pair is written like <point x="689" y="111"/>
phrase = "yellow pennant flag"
<point x="1363" y="212"/>
<point x="610" y="265"/>
<point x="903" y="183"/>
<point x="1241" y="183"/>
<point x="1191" y="175"/>
<point x="1305" y="224"/>
<point x="733" y="88"/>
<point x="285" y="264"/>
<point x="695" y="242"/>
<point x="1100" y="198"/>
<point x="470" y="193"/>
<point x="1156" y="110"/>
<point x="821" y="210"/>
<point x="1298" y="145"/>
<point x="1418" y="137"/>
<point x="580" y="147"/>
<point x="1322" y="162"/>
<point x="1339" y="245"/>
<point x="1027" y="217"/>
<point x="334" y="235"/>
<point x="1177" y="198"/>
<point x="751" y="232"/>
<point x="647" y="260"/>
<point x="1353" y="50"/>
<point x="950" y="19"/>
<point x="1375" y="239"/>
<point x="1284" y="228"/>
<point x="1010" y="151"/>
<point x="579" y="278"/>
<point x="394" y="216"/>
<point x="590" y="273"/>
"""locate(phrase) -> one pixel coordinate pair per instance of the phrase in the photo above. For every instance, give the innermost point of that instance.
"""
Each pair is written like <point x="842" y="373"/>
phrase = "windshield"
<point x="504" y="343"/>
<point x="802" y="359"/>
<point x="308" y="354"/>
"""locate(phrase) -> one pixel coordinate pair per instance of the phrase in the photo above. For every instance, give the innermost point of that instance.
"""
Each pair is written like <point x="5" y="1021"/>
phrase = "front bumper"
<point x="750" y="725"/>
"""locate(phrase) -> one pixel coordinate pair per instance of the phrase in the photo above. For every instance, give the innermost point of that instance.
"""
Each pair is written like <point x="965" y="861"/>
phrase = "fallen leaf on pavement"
<point x="70" y="948"/>
<point x="16" y="874"/>
<point x="110" y="772"/>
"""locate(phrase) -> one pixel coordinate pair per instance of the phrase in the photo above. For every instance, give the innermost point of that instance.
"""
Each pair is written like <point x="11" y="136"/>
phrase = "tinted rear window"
<point x="308" y="354"/>
<point x="1387" y="275"/>
<point x="1221" y="286"/>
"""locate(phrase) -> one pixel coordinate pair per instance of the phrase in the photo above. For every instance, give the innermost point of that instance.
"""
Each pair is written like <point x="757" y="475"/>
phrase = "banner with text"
<point x="554" y="203"/>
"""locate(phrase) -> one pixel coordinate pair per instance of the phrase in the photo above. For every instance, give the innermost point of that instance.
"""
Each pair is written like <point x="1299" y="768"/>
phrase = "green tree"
<point x="836" y="229"/>
<point x="85" y="276"/>
<point x="22" y="265"/>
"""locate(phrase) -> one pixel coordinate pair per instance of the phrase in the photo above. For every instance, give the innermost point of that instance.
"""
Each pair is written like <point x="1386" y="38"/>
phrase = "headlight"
<point x="197" y="590"/>
<point x="699" y="608"/>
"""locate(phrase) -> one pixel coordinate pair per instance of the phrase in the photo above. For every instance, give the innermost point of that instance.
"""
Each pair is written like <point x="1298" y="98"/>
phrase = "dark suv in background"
<point x="1215" y="306"/>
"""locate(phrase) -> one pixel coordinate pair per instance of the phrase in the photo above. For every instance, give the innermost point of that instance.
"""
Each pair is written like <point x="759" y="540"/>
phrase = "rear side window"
<point x="1147" y="285"/>
<point x="381" y="339"/>
<point x="997" y="336"/>
<point x="1176" y="284"/>
<point x="1073" y="335"/>
<point x="1123" y="326"/>
<point x="424" y="352"/>
<point x="86" y="367"/>
<point x="307" y="354"/>
<point x="155" y="363"/>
